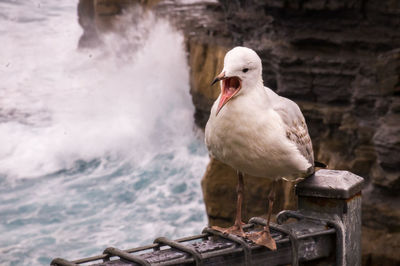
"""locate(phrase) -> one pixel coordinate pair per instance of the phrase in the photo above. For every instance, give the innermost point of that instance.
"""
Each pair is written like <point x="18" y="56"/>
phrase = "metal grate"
<point x="303" y="240"/>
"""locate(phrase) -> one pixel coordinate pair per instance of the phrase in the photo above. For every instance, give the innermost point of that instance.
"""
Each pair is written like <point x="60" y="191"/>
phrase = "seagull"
<point x="257" y="132"/>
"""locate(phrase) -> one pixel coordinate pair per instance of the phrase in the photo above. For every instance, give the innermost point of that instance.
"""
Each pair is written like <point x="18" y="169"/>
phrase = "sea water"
<point x="97" y="146"/>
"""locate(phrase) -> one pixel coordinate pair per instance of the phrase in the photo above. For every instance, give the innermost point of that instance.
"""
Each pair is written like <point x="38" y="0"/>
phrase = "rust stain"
<point x="355" y="196"/>
<point x="323" y="202"/>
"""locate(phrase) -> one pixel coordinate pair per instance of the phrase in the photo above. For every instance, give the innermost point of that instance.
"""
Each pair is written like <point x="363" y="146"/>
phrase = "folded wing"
<point x="295" y="125"/>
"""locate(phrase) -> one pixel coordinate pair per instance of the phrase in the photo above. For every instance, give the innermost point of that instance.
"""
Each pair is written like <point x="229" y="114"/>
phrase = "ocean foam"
<point x="98" y="145"/>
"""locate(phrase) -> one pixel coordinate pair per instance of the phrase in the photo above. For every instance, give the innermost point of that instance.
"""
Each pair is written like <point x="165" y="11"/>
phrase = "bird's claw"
<point x="262" y="238"/>
<point x="236" y="230"/>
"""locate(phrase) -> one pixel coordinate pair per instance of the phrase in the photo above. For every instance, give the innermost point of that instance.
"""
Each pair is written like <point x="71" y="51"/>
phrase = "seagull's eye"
<point x="245" y="70"/>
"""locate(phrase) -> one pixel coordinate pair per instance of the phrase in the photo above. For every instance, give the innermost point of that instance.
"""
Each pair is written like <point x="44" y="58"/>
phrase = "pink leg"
<point x="237" y="228"/>
<point x="264" y="237"/>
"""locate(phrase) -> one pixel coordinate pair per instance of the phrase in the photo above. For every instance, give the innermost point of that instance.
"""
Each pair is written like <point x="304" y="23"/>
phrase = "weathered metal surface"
<point x="352" y="226"/>
<point x="335" y="196"/>
<point x="335" y="223"/>
<point x="289" y="232"/>
<point x="330" y="184"/>
<point x="62" y="262"/>
<point x="176" y="245"/>
<point x="346" y="215"/>
<point x="238" y="240"/>
<point x="110" y="251"/>
<point x="314" y="241"/>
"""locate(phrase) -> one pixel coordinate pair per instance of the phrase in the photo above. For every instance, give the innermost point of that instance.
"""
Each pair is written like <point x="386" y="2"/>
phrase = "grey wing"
<point x="296" y="128"/>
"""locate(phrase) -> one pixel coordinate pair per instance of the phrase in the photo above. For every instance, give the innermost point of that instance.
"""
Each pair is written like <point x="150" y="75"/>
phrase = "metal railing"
<point x="326" y="227"/>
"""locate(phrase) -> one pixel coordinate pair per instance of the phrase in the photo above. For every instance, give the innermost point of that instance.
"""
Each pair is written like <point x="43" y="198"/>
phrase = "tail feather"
<point x="319" y="164"/>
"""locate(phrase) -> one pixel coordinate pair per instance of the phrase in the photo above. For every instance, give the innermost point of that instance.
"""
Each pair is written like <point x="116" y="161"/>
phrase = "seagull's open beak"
<point x="220" y="77"/>
<point x="229" y="87"/>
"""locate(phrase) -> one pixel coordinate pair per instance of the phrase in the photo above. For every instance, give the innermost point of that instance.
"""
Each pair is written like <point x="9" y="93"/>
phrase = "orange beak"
<point x="229" y="87"/>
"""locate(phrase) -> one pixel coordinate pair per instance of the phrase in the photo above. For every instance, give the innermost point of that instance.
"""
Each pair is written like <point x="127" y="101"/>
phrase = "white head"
<point x="242" y="72"/>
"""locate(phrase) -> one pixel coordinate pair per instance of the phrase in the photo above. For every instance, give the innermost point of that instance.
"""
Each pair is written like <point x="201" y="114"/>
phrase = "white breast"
<point x="250" y="137"/>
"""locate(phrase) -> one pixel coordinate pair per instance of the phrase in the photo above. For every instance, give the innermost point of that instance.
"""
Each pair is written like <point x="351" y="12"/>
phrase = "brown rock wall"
<point x="380" y="247"/>
<point x="219" y="191"/>
<point x="206" y="61"/>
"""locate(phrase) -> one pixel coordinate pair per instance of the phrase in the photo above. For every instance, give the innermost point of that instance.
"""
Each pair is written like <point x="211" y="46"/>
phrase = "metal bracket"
<point x="335" y="223"/>
<point x="62" y="262"/>
<point x="292" y="236"/>
<point x="246" y="248"/>
<point x="124" y="255"/>
<point x="191" y="251"/>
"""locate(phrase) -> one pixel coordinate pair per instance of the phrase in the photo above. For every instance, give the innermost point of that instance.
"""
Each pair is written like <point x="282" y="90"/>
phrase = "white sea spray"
<point x="98" y="146"/>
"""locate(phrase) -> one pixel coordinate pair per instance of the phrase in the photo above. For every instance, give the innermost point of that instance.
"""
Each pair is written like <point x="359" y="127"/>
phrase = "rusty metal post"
<point x="335" y="196"/>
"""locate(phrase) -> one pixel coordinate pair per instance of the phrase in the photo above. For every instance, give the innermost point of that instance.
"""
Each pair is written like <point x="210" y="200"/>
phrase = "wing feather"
<point x="295" y="124"/>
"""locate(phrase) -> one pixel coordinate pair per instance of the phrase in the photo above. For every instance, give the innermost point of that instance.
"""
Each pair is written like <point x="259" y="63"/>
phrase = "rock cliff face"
<point x="340" y="61"/>
<point x="98" y="17"/>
